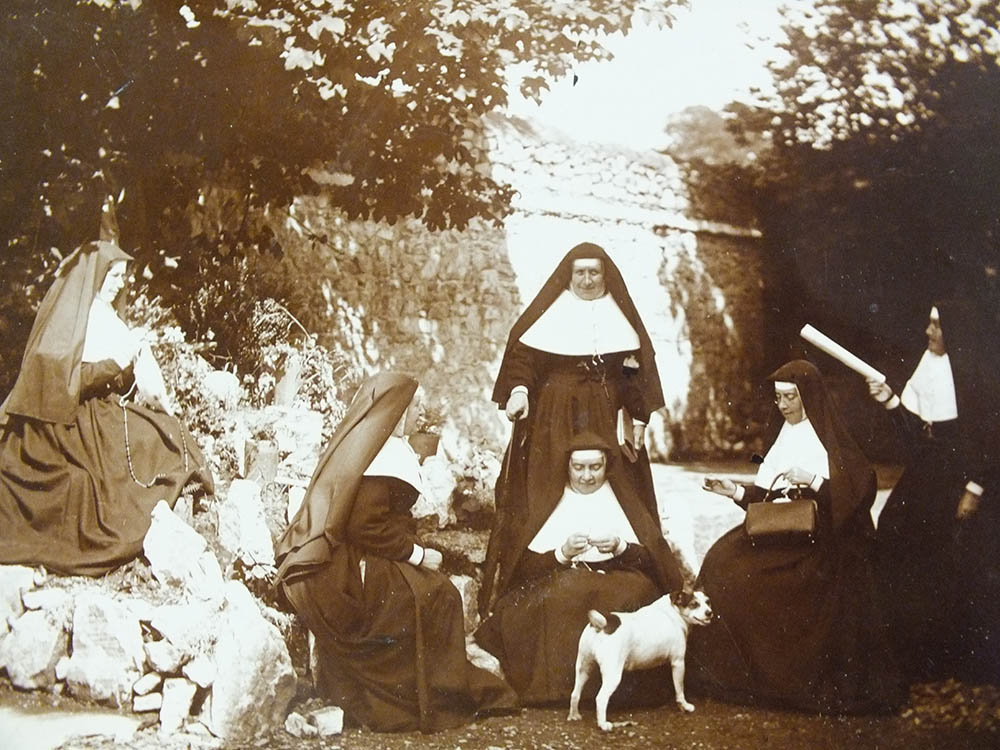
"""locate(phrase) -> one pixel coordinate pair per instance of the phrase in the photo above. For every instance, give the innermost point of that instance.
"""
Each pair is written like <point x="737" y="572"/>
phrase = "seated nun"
<point x="797" y="623"/>
<point x="599" y="548"/>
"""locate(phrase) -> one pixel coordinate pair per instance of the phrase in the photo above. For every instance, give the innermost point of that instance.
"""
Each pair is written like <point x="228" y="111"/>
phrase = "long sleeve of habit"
<point x="522" y="368"/>
<point x="380" y="522"/>
<point x="100" y="378"/>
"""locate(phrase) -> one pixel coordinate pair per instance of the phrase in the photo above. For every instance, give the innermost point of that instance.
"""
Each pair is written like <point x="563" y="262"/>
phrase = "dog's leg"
<point x="584" y="666"/>
<point x="677" y="670"/>
<point x="609" y="683"/>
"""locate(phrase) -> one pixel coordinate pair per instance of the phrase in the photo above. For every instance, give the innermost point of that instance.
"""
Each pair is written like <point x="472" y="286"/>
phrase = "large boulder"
<point x="180" y="557"/>
<point x="243" y="529"/>
<point x="254" y="680"/>
<point x="14" y="581"/>
<point x="30" y="651"/>
<point x="187" y="628"/>
<point x="107" y="650"/>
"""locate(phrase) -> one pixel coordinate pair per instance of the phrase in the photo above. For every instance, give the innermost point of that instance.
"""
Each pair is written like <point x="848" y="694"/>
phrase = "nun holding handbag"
<point x="781" y="518"/>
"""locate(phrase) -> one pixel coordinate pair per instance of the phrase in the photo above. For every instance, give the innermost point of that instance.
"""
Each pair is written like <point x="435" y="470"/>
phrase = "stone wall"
<point x="440" y="304"/>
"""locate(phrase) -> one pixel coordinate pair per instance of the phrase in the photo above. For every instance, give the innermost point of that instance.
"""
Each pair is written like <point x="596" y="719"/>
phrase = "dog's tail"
<point x="603" y="623"/>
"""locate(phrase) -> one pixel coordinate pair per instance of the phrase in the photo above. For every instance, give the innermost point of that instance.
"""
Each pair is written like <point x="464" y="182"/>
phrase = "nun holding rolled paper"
<point x="938" y="532"/>
<point x="798" y="624"/>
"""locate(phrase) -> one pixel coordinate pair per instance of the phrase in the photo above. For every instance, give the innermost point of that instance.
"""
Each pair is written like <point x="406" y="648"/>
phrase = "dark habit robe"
<point x="798" y="624"/>
<point x="535" y="625"/>
<point x="939" y="575"/>
<point x="81" y="468"/>
<point x="390" y="635"/>
<point x="569" y="392"/>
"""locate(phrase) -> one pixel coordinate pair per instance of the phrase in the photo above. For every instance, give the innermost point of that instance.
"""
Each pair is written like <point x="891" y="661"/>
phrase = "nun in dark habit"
<point x="798" y="623"/>
<point x="388" y="624"/>
<point x="578" y="359"/>
<point x="599" y="548"/>
<point x="939" y="530"/>
<point x="88" y="443"/>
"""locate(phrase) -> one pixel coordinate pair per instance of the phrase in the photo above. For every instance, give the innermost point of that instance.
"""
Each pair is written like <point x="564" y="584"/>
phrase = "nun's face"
<point x="114" y="280"/>
<point x="935" y="338"/>
<point x="587" y="469"/>
<point x="587" y="279"/>
<point x="790" y="404"/>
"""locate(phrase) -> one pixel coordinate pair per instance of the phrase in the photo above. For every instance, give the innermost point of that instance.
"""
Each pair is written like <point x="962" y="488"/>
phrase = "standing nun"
<point x="578" y="359"/>
<point x="937" y="534"/>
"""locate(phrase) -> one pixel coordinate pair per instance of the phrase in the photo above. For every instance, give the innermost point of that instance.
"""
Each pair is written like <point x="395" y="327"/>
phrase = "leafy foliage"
<point x="205" y="120"/>
<point x="878" y="194"/>
<point x="377" y="104"/>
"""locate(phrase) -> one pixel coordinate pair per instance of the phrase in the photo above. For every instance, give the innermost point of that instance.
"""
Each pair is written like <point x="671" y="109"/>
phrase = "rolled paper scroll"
<point x="825" y="343"/>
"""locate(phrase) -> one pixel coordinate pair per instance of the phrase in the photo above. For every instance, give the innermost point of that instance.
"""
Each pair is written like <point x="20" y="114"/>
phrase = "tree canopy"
<point x="377" y="104"/>
<point x="879" y="191"/>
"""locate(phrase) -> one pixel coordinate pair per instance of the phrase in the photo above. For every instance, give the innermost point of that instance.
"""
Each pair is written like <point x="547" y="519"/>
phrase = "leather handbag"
<point x="783" y="522"/>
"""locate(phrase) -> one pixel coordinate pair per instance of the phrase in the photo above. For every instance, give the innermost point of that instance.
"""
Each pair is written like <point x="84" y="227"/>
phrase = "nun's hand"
<point x="607" y="543"/>
<point x="638" y="435"/>
<point x="797" y="475"/>
<point x="517" y="406"/>
<point x="724" y="487"/>
<point x="967" y="505"/>
<point x="574" y="545"/>
<point x="879" y="390"/>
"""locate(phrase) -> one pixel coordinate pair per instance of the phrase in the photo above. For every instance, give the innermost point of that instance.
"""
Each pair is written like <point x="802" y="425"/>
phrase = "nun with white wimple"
<point x="88" y="441"/>
<point x="388" y="623"/>
<point x="938" y="531"/>
<point x="798" y="624"/>
<point x="577" y="359"/>
<point x="599" y="548"/>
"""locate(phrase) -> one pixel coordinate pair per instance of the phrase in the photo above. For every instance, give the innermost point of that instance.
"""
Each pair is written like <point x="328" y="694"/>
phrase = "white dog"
<point x="626" y="641"/>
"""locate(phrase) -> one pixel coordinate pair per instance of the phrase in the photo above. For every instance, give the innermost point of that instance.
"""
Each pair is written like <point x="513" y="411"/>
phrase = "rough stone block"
<point x="297" y="726"/>
<point x="146" y="703"/>
<point x="328" y="721"/>
<point x="31" y="650"/>
<point x="178" y="694"/>
<point x="107" y="650"/>
<point x="179" y="556"/>
<point x="254" y="680"/>
<point x="242" y="527"/>
<point x="15" y="580"/>
<point x="200" y="670"/>
<point x="163" y="656"/>
<point x="468" y="588"/>
<point x="147" y="683"/>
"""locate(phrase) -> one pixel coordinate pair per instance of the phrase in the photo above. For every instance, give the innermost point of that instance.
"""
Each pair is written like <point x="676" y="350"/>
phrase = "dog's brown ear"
<point x="682" y="598"/>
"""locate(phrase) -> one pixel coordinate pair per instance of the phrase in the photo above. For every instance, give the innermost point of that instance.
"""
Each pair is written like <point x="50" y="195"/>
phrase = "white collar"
<point x="574" y="326"/>
<point x="396" y="459"/>
<point x="797" y="445"/>
<point x="930" y="391"/>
